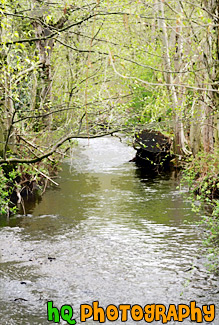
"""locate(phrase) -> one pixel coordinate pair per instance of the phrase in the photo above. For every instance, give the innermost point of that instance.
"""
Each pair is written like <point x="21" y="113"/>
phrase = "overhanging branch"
<point x="55" y="147"/>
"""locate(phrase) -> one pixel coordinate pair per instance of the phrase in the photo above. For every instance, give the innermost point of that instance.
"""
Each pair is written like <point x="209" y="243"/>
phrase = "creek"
<point x="108" y="233"/>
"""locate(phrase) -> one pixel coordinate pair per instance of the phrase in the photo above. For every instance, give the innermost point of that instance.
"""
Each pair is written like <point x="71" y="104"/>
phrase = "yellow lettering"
<point x="149" y="313"/>
<point x="160" y="311"/>
<point x="98" y="313"/>
<point x="112" y="313"/>
<point x="172" y="313"/>
<point x="209" y="314"/>
<point x="124" y="309"/>
<point x="182" y="315"/>
<point x="86" y="312"/>
<point x="196" y="313"/>
<point x="137" y="313"/>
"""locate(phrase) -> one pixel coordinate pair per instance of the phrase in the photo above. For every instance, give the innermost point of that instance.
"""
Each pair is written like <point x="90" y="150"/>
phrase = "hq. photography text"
<point x="124" y="312"/>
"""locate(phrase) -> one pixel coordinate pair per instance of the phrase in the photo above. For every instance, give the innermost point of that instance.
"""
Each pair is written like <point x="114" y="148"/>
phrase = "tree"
<point x="69" y="69"/>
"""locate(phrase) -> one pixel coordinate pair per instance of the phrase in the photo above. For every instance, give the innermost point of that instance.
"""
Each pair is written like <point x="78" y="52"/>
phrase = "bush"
<point x="6" y="206"/>
<point x="202" y="176"/>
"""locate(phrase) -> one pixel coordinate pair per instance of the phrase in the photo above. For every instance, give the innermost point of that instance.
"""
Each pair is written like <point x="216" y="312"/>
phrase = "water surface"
<point x="108" y="233"/>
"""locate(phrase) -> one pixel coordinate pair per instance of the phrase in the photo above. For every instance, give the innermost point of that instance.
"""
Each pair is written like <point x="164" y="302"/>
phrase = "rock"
<point x="20" y="299"/>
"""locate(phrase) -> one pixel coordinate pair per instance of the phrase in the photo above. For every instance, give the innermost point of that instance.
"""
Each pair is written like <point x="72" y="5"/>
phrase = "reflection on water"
<point x="108" y="233"/>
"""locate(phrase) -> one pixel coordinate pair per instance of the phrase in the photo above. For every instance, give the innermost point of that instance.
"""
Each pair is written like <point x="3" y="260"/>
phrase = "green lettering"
<point x="67" y="313"/>
<point x="52" y="311"/>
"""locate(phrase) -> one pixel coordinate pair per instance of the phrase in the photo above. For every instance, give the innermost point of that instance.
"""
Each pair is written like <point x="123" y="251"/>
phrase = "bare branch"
<point x="56" y="146"/>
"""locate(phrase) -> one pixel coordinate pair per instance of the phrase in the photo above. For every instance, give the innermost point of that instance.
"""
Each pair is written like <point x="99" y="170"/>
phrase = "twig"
<point x="35" y="147"/>
<point x="20" y="200"/>
<point x="80" y="123"/>
<point x="47" y="177"/>
<point x="45" y="186"/>
<point x="8" y="134"/>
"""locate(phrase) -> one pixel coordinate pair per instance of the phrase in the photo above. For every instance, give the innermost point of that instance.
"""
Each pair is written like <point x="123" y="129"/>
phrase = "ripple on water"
<point x="108" y="234"/>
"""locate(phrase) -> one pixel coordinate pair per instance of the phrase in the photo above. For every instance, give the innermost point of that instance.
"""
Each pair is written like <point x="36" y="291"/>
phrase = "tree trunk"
<point x="195" y="131"/>
<point x="179" y="141"/>
<point x="207" y="129"/>
<point x="210" y="115"/>
<point x="45" y="48"/>
<point x="7" y="132"/>
<point x="44" y="91"/>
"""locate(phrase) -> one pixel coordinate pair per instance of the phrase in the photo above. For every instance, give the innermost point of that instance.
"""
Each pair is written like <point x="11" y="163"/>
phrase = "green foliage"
<point x="142" y="98"/>
<point x="25" y="179"/>
<point x="202" y="176"/>
<point x="6" y="189"/>
<point x="4" y="200"/>
<point x="212" y="237"/>
<point x="110" y="69"/>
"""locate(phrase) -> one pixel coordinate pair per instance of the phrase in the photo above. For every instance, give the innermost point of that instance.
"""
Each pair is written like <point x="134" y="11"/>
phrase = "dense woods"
<point x="85" y="69"/>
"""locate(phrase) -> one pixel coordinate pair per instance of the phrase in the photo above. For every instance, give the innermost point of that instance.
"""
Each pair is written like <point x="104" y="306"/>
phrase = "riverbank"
<point x="202" y="175"/>
<point x="20" y="182"/>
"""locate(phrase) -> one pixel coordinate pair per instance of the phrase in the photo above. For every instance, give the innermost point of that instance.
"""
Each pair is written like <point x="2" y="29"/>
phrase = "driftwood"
<point x="153" y="150"/>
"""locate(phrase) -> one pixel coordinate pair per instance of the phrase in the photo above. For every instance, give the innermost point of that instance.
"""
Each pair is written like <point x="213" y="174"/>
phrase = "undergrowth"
<point x="202" y="176"/>
<point x="22" y="181"/>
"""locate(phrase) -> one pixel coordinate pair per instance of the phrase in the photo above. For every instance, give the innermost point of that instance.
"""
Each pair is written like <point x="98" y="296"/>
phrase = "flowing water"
<point x="108" y="233"/>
